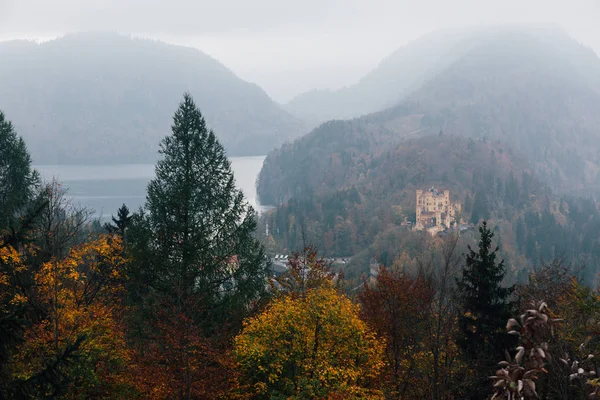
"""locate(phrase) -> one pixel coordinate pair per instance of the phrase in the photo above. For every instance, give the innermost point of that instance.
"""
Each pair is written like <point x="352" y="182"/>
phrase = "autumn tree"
<point x="314" y="346"/>
<point x="82" y="296"/>
<point x="20" y="209"/>
<point x="558" y="282"/>
<point x="61" y="223"/>
<point x="413" y="304"/>
<point x="193" y="247"/>
<point x="485" y="308"/>
<point x="396" y="307"/>
<point x="305" y="271"/>
<point x="442" y="325"/>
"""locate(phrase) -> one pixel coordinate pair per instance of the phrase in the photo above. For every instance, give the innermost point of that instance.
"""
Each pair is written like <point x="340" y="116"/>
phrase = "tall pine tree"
<point x="17" y="179"/>
<point x="195" y="238"/>
<point x="480" y="208"/>
<point x="485" y="310"/>
<point x="197" y="268"/>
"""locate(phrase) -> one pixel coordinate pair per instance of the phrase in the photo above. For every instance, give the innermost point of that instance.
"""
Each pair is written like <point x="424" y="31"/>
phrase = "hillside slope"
<point x="361" y="214"/>
<point x="537" y="95"/>
<point x="101" y="98"/>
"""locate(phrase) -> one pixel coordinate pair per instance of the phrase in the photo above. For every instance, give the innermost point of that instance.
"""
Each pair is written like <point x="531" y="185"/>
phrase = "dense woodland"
<point x="498" y="120"/>
<point x="359" y="210"/>
<point x="177" y="300"/>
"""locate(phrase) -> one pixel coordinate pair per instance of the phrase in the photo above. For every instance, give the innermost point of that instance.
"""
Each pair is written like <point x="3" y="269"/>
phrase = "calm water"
<point x="104" y="188"/>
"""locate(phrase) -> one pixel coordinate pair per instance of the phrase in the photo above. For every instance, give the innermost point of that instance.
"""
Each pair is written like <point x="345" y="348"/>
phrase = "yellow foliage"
<point x="8" y="295"/>
<point x="310" y="347"/>
<point x="81" y="293"/>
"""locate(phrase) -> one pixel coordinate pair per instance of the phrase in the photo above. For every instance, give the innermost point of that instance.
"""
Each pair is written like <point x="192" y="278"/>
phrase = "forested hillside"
<point x="102" y="98"/>
<point x="511" y="128"/>
<point x="178" y="300"/>
<point x="541" y="97"/>
<point x="361" y="211"/>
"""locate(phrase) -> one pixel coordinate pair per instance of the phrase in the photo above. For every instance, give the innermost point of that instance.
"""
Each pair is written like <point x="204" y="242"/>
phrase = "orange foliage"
<point x="177" y="361"/>
<point x="397" y="306"/>
<point x="82" y="295"/>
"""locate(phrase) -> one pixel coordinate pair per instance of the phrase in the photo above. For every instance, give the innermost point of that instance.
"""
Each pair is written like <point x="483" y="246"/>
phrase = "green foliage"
<point x="485" y="305"/>
<point x="120" y="223"/>
<point x="480" y="208"/>
<point x="195" y="237"/>
<point x="17" y="179"/>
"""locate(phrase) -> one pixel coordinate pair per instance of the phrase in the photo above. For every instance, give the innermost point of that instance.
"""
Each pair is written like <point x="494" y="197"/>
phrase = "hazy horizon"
<point x="325" y="45"/>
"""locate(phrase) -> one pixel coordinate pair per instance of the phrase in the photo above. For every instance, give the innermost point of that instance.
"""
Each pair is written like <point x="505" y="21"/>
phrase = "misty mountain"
<point x="409" y="67"/>
<point x="539" y="94"/>
<point x="395" y="77"/>
<point x="511" y="128"/>
<point x="102" y="98"/>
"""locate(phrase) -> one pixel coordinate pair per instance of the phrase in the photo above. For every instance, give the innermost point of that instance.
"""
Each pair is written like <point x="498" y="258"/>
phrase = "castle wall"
<point x="435" y="203"/>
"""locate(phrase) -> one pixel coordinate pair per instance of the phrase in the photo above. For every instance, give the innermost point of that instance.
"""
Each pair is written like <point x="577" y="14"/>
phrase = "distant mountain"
<point x="409" y="67"/>
<point x="104" y="98"/>
<point x="395" y="77"/>
<point x="538" y="93"/>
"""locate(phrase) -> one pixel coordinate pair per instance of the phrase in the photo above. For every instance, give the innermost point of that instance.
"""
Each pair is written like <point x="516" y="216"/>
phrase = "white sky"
<point x="291" y="46"/>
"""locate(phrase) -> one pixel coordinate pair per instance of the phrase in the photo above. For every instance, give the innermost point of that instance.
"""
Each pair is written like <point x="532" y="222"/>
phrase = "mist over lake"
<point x="104" y="188"/>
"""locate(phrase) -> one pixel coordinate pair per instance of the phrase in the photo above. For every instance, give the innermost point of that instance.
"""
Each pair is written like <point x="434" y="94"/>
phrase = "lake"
<point x="104" y="188"/>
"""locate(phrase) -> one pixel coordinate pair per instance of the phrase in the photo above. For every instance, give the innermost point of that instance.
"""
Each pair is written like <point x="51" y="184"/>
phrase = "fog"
<point x="289" y="47"/>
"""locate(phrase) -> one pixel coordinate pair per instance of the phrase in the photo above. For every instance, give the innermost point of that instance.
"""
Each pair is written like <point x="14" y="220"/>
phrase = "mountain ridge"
<point x="408" y="67"/>
<point x="511" y="86"/>
<point x="106" y="97"/>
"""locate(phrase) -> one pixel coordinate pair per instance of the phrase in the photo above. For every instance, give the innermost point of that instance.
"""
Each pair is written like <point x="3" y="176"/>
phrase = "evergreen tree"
<point x="480" y="208"/>
<point x="120" y="223"/>
<point x="17" y="179"/>
<point x="194" y="242"/>
<point x="512" y="190"/>
<point x="485" y="307"/>
<point x="468" y="204"/>
<point x="521" y="236"/>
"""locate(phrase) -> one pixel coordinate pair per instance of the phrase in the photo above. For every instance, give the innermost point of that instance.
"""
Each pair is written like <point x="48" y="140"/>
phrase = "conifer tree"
<point x="120" y="223"/>
<point x="17" y="178"/>
<point x="479" y="208"/>
<point x="195" y="237"/>
<point x="485" y="307"/>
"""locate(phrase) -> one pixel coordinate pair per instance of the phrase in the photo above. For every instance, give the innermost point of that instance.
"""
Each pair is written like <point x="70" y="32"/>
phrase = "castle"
<point x="435" y="212"/>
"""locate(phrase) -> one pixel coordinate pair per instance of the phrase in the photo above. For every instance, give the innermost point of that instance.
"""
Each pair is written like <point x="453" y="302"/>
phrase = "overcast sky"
<point x="291" y="46"/>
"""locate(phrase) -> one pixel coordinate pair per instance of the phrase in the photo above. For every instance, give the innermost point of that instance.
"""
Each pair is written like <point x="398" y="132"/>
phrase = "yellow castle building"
<point x="435" y="212"/>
